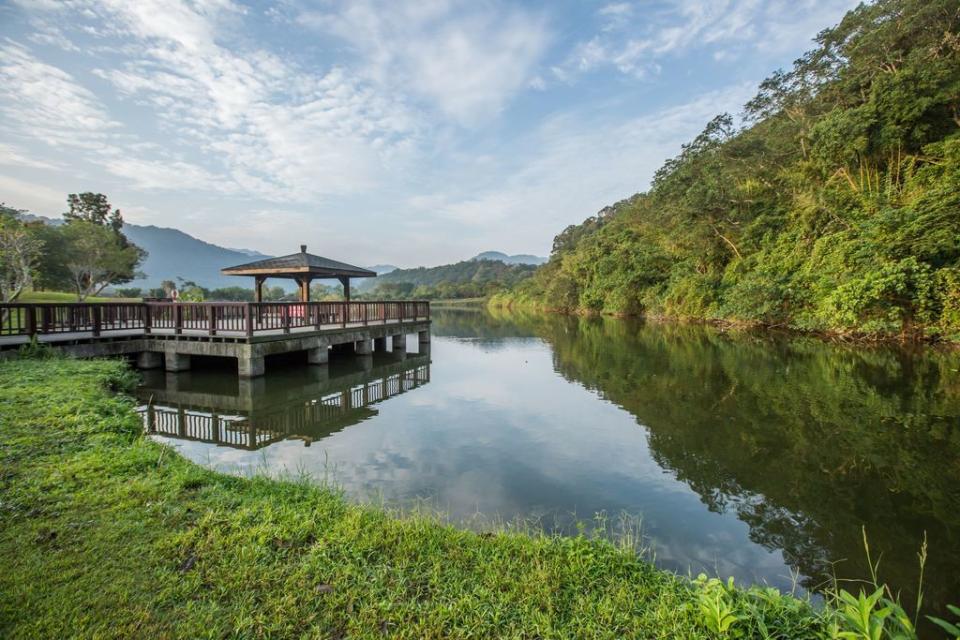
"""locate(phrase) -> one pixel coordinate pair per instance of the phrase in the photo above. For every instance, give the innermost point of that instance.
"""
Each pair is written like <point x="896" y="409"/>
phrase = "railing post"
<point x="403" y="311"/>
<point x="97" y="319"/>
<point x="147" y="318"/>
<point x="365" y="319"/>
<point x="285" y="315"/>
<point x="30" y="320"/>
<point x="318" y="307"/>
<point x="177" y="318"/>
<point x="248" y="318"/>
<point x="211" y="320"/>
<point x="343" y="318"/>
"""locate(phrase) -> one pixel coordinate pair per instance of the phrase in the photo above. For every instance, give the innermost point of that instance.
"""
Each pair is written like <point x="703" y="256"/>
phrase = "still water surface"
<point x="758" y="457"/>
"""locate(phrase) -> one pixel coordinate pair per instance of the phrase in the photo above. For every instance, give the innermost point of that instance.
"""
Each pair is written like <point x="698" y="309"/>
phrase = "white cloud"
<point x="467" y="59"/>
<point x="633" y="37"/>
<point x="45" y="102"/>
<point x="15" y="157"/>
<point x="253" y="121"/>
<point x="575" y="164"/>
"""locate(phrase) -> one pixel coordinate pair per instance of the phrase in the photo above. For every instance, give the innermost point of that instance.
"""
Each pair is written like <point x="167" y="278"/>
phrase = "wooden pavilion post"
<point x="345" y="281"/>
<point x="258" y="289"/>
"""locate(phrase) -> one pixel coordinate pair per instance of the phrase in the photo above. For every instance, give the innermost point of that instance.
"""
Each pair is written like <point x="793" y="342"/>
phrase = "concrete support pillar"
<point x="149" y="360"/>
<point x="319" y="355"/>
<point x="399" y="342"/>
<point x="423" y="339"/>
<point x="177" y="361"/>
<point x="367" y="362"/>
<point x="250" y="366"/>
<point x="380" y="344"/>
<point x="363" y="347"/>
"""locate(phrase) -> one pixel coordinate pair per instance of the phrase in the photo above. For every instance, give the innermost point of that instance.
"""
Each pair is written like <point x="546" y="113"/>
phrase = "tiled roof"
<point x="297" y="262"/>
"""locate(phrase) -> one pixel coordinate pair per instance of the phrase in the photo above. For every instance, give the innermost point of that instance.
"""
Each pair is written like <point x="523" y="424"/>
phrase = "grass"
<point x="59" y="296"/>
<point x="109" y="534"/>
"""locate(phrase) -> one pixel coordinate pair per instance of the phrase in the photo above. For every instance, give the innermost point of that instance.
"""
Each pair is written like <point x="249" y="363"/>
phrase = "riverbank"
<point x="919" y="336"/>
<point x="107" y="533"/>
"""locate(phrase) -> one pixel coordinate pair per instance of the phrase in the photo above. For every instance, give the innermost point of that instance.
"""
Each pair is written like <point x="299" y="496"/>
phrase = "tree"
<point x="93" y="207"/>
<point x="19" y="252"/>
<point x="97" y="257"/>
<point x="190" y="291"/>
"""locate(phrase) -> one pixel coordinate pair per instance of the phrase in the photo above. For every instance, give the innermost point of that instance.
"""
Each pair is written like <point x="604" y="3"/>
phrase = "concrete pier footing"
<point x="363" y="347"/>
<point x="149" y="360"/>
<point x="318" y="355"/>
<point x="176" y="361"/>
<point x="399" y="342"/>
<point x="251" y="366"/>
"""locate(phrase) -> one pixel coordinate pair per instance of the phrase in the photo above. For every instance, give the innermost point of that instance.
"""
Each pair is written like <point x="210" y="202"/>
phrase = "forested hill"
<point x="467" y="279"/>
<point x="835" y="207"/>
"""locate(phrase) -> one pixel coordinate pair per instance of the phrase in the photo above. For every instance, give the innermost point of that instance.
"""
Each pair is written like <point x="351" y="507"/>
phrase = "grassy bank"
<point x="63" y="297"/>
<point x="108" y="534"/>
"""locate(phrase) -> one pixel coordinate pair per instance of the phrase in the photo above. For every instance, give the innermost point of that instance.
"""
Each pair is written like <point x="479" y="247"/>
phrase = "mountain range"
<point x="520" y="258"/>
<point x="174" y="254"/>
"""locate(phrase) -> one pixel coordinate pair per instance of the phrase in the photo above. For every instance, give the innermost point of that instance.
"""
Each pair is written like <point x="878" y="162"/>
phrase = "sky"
<point x="403" y="132"/>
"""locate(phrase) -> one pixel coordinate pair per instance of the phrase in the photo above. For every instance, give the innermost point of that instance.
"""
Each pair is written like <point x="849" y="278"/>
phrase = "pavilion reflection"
<point x="253" y="413"/>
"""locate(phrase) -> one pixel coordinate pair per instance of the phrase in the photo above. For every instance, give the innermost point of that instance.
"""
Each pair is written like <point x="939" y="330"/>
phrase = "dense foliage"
<point x="85" y="254"/>
<point x="19" y="254"/>
<point x="467" y="279"/>
<point x="836" y="207"/>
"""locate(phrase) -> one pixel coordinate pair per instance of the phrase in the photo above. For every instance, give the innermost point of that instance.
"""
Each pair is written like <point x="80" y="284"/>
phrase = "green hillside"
<point x="467" y="279"/>
<point x="836" y="207"/>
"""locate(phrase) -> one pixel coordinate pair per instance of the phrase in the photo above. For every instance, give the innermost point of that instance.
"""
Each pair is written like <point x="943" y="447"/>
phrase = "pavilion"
<point x="303" y="267"/>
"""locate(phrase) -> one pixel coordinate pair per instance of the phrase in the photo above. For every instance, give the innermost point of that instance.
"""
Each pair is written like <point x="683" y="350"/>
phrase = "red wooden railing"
<point x="211" y="318"/>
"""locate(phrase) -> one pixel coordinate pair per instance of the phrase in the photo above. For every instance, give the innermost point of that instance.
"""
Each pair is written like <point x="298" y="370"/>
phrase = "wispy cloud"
<point x="406" y="131"/>
<point x="43" y="101"/>
<point x="572" y="165"/>
<point x="467" y="59"/>
<point x="634" y="38"/>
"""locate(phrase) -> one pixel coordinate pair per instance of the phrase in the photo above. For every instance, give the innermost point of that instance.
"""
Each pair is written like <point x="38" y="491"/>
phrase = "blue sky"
<point x="414" y="133"/>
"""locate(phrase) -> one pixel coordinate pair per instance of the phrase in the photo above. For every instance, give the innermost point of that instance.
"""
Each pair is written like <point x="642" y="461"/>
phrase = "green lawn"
<point x="59" y="296"/>
<point x="106" y="533"/>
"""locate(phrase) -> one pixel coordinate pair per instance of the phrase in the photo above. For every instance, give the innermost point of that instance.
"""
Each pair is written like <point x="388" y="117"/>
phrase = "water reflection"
<point x="745" y="455"/>
<point x="304" y="405"/>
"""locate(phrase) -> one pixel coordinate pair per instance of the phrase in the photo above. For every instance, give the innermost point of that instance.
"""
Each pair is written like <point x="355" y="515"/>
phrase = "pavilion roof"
<point x="298" y="264"/>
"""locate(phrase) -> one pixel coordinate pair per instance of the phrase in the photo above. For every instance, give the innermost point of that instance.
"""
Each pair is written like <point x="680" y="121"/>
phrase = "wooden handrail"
<point x="210" y="318"/>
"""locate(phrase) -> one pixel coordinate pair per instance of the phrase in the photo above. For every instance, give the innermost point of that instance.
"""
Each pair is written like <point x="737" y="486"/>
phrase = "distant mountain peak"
<point x="381" y="269"/>
<point x="520" y="258"/>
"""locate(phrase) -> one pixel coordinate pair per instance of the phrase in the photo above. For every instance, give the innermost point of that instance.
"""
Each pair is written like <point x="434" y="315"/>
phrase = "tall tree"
<point x="97" y="253"/>
<point x="97" y="256"/>
<point x="19" y="252"/>
<point x="93" y="207"/>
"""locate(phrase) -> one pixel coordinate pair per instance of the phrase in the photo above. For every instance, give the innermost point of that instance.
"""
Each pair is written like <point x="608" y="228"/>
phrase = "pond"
<point x="757" y="456"/>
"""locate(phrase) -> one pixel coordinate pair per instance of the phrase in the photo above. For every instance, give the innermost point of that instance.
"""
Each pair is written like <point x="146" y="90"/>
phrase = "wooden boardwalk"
<point x="236" y="321"/>
<point x="246" y="331"/>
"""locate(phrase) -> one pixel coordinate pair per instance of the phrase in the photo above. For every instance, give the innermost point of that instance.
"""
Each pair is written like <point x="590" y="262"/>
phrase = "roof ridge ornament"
<point x="303" y="248"/>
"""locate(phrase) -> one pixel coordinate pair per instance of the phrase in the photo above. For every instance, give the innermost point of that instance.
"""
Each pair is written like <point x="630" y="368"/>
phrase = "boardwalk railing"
<point x="314" y="418"/>
<point x="210" y="318"/>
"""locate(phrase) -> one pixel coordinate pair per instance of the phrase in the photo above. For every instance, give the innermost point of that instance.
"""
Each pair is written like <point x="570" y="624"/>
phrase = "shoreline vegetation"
<point x="507" y="302"/>
<point x="110" y="534"/>
<point x="831" y="206"/>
